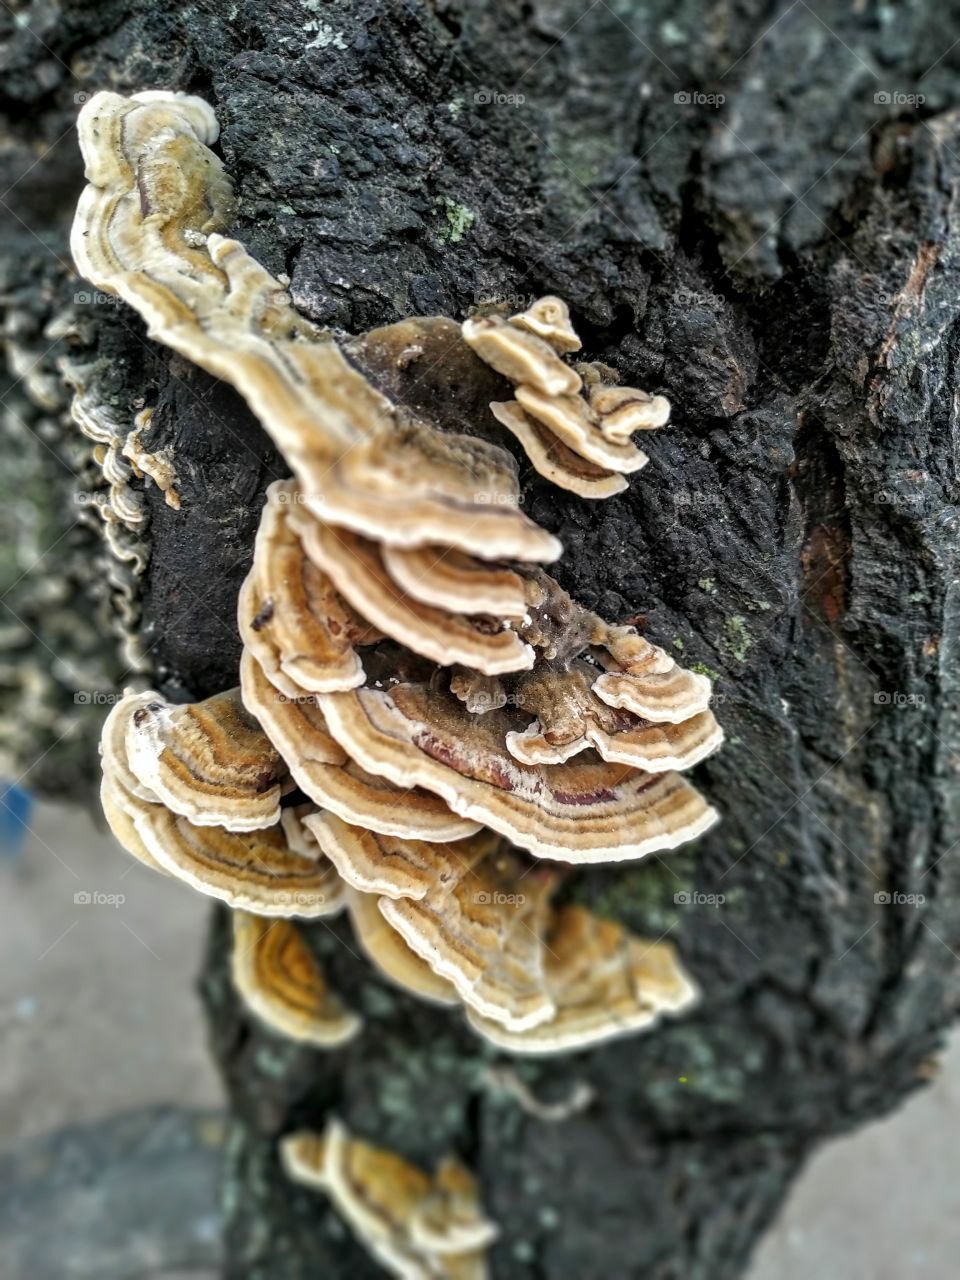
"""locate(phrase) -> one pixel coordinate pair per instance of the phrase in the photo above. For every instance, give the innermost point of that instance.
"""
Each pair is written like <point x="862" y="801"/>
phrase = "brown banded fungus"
<point x="292" y="619"/>
<point x="209" y="761"/>
<point x="416" y="1226"/>
<point x="603" y="982"/>
<point x="391" y="956"/>
<point x="585" y="810"/>
<point x="435" y="702"/>
<point x="355" y="566"/>
<point x="579" y="442"/>
<point x="278" y="978"/>
<point x="325" y="772"/>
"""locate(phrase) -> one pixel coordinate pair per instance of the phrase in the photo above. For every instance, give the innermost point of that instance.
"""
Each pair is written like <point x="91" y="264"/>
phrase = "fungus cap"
<point x="553" y="459"/>
<point x="605" y="983"/>
<point x="290" y="616"/>
<point x="452" y="580"/>
<point x="280" y="981"/>
<point x="418" y="1227"/>
<point x="549" y="319"/>
<point x="393" y="866"/>
<point x="390" y="955"/>
<point x="520" y="356"/>
<point x="252" y="870"/>
<point x="208" y="761"/>
<point x="356" y="567"/>
<point x="570" y="718"/>
<point x="481" y="926"/>
<point x="324" y="772"/>
<point x="586" y="810"/>
<point x="570" y="419"/>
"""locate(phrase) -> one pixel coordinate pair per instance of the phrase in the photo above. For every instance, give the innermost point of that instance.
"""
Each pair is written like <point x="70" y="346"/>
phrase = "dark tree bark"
<point x="783" y="265"/>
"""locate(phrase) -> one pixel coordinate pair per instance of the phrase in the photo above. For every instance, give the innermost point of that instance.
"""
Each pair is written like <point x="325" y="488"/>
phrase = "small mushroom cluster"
<point x="423" y="713"/>
<point x="574" y="424"/>
<point x="416" y="1225"/>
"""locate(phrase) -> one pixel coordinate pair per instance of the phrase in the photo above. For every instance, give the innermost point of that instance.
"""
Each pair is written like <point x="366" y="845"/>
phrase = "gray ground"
<point x="109" y="1119"/>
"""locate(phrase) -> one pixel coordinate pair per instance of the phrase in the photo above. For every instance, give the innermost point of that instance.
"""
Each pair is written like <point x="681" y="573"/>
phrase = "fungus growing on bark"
<point x="520" y="355"/>
<point x="278" y="978"/>
<point x="571" y="717"/>
<point x="254" y="870"/>
<point x="586" y="810"/>
<point x="581" y="444"/>
<point x="122" y="795"/>
<point x="485" y="697"/>
<point x="298" y="627"/>
<point x="389" y="954"/>
<point x="397" y="867"/>
<point x="209" y="761"/>
<point x="323" y="770"/>
<point x="549" y="318"/>
<point x="452" y="580"/>
<point x="356" y="568"/>
<point x="603" y="983"/>
<point x="416" y="1226"/>
<point x="145" y="229"/>
<point x="483" y="930"/>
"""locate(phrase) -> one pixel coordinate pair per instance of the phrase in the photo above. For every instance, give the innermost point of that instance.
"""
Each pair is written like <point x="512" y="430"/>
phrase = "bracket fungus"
<point x="278" y="978"/>
<point x="417" y="1226"/>
<point x="578" y="442"/>
<point x="422" y="713"/>
<point x="390" y="955"/>
<point x="584" y="810"/>
<point x="209" y="761"/>
<point x="290" y="616"/>
<point x="326" y="773"/>
<point x="603" y="983"/>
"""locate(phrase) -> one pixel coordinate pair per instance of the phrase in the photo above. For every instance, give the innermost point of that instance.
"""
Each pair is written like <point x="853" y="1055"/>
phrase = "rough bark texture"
<point x="784" y="266"/>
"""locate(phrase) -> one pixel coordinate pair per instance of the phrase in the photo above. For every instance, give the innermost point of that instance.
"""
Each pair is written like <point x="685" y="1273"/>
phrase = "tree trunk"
<point x="747" y="208"/>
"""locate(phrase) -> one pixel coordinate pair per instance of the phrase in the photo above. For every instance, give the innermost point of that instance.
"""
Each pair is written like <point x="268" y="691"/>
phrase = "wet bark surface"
<point x="783" y="265"/>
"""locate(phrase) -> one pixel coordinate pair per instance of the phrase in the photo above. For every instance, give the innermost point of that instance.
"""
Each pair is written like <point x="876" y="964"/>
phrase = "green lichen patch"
<point x="459" y="220"/>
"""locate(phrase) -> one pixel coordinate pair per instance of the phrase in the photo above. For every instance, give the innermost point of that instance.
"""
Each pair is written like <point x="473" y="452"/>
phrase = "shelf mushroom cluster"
<point x="574" y="424"/>
<point x="428" y="730"/>
<point x="414" y="1224"/>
